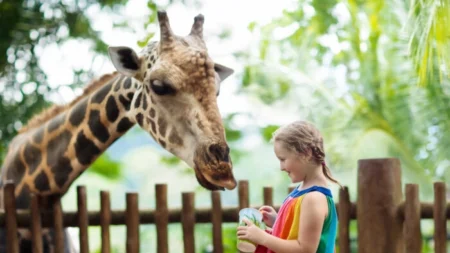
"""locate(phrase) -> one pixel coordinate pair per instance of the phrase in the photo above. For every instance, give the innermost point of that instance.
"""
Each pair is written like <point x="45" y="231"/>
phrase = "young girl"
<point x="307" y="220"/>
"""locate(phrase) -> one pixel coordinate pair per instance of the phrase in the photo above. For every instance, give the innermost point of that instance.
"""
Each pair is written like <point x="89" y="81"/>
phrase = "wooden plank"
<point x="105" y="220"/>
<point x="268" y="196"/>
<point x="411" y="224"/>
<point x="132" y="222"/>
<point x="12" y="242"/>
<point x="36" y="229"/>
<point x="161" y="218"/>
<point x="243" y="194"/>
<point x="216" y="219"/>
<point x="426" y="211"/>
<point x="83" y="222"/>
<point x="440" y="222"/>
<point x="343" y="209"/>
<point x="58" y="225"/>
<point x="188" y="221"/>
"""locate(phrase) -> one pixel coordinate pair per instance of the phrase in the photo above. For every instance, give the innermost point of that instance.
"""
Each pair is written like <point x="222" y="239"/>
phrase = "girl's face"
<point x="292" y="162"/>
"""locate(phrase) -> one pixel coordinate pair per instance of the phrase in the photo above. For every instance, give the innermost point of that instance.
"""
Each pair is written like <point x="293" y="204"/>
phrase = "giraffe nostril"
<point x="219" y="152"/>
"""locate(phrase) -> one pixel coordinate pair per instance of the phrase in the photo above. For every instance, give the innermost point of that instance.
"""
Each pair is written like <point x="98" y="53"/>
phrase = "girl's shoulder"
<point x="316" y="202"/>
<point x="315" y="197"/>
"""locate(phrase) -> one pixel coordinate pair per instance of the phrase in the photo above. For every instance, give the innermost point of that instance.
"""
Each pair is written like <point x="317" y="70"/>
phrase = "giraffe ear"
<point x="125" y="60"/>
<point x="223" y="71"/>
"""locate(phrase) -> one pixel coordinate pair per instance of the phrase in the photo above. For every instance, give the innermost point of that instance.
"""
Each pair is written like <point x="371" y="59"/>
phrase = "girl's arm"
<point x="313" y="212"/>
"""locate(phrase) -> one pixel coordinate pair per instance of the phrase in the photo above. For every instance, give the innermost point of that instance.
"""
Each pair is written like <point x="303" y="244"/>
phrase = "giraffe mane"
<point x="54" y="110"/>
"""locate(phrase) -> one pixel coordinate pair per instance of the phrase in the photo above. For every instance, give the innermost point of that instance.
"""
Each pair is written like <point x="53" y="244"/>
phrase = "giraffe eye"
<point x="162" y="88"/>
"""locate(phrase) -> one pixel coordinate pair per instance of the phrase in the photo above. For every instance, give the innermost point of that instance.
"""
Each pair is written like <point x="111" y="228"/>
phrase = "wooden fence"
<point x="387" y="222"/>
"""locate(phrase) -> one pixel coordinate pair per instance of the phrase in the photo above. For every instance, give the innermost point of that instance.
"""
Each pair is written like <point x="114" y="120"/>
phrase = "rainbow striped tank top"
<point x="287" y="222"/>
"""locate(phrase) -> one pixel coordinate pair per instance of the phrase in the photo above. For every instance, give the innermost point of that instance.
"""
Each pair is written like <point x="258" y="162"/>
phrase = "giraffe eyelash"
<point x="162" y="88"/>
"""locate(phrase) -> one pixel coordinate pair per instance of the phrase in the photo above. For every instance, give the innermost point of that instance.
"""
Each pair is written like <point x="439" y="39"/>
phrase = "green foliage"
<point x="264" y="82"/>
<point x="106" y="167"/>
<point x="144" y="41"/>
<point x="377" y="95"/>
<point x="268" y="131"/>
<point x="229" y="238"/>
<point x="25" y="28"/>
<point x="231" y="132"/>
<point x="429" y="41"/>
<point x="170" y="160"/>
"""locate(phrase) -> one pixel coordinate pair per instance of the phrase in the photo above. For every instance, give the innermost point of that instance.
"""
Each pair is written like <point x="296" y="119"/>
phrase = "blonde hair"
<point x="304" y="138"/>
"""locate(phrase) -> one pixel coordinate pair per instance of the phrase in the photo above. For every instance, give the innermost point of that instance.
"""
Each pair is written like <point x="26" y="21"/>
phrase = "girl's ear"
<point x="125" y="60"/>
<point x="306" y="157"/>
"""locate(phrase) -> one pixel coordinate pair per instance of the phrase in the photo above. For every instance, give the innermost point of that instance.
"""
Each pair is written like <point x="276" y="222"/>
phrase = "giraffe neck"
<point x="47" y="159"/>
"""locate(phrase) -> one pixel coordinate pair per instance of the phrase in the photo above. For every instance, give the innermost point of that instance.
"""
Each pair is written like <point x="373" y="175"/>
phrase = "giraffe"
<point x="170" y="90"/>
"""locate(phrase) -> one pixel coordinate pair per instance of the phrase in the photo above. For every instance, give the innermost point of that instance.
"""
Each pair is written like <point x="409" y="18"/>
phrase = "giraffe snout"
<point x="213" y="167"/>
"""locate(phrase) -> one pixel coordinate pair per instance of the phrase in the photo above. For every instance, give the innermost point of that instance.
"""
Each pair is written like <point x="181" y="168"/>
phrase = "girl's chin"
<point x="295" y="180"/>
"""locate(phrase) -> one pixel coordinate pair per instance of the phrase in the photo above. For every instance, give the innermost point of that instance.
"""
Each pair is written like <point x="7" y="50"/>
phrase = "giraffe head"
<point x="176" y="100"/>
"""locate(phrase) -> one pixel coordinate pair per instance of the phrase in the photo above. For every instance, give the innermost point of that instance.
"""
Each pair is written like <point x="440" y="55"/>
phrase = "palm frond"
<point x="429" y="37"/>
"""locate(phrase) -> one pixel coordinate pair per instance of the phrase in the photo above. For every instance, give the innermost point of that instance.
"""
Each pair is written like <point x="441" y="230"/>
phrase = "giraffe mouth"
<point x="204" y="182"/>
<point x="215" y="175"/>
<point x="213" y="167"/>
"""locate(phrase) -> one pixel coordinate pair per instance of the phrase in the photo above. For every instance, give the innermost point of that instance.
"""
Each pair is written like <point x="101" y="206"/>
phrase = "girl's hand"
<point x="269" y="215"/>
<point x="251" y="233"/>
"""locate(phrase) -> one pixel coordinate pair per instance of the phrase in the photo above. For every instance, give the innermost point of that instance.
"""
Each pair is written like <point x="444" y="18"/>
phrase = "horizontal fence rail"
<point x="202" y="215"/>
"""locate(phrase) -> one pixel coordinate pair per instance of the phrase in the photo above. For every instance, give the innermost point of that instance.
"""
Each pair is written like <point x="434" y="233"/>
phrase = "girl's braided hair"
<point x="304" y="138"/>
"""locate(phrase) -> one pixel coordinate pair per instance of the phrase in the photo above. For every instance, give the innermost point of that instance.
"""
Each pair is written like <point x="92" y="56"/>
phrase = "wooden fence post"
<point x="161" y="219"/>
<point x="216" y="219"/>
<point x="36" y="227"/>
<point x="132" y="223"/>
<point x="58" y="224"/>
<point x="440" y="224"/>
<point x="344" y="209"/>
<point x="243" y="194"/>
<point x="379" y="196"/>
<point x="411" y="223"/>
<point x="83" y="222"/>
<point x="12" y="242"/>
<point x="188" y="221"/>
<point x="105" y="220"/>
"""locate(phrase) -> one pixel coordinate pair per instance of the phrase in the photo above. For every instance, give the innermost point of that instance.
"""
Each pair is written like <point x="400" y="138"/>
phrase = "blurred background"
<point x="373" y="75"/>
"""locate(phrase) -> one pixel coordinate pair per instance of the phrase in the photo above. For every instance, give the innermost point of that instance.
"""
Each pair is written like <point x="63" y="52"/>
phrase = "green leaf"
<point x="232" y="135"/>
<point x="247" y="78"/>
<point x="251" y="26"/>
<point x="152" y="6"/>
<point x="268" y="131"/>
<point x="225" y="33"/>
<point x="263" y="49"/>
<point x="170" y="160"/>
<point x="144" y="41"/>
<point x="106" y="167"/>
<point x="101" y="47"/>
<point x="284" y="86"/>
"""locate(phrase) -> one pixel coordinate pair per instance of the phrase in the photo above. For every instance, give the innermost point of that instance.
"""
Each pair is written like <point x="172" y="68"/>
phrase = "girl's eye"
<point x="162" y="88"/>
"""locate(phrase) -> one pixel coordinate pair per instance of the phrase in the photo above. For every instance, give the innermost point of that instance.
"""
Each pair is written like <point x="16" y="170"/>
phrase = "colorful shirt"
<point x="286" y="225"/>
